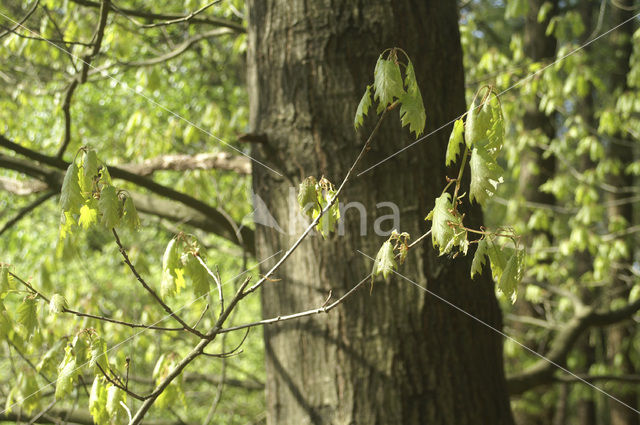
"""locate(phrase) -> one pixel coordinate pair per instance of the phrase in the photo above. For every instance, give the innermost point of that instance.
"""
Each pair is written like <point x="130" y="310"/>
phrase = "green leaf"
<point x="479" y="258"/>
<point x="70" y="195"/>
<point x="5" y="282"/>
<point x="495" y="132"/>
<point x="110" y="207"/>
<point x="485" y="175"/>
<point x="455" y="141"/>
<point x="200" y="277"/>
<point x="130" y="216"/>
<point x="27" y="314"/>
<point x="328" y="221"/>
<point x="88" y="216"/>
<point x="98" y="353"/>
<point x="5" y="321"/>
<point x="385" y="261"/>
<point x="66" y="373"/>
<point x="114" y="396"/>
<point x="512" y="275"/>
<point x="57" y="304"/>
<point x="445" y="228"/>
<point x="387" y="82"/>
<point x="478" y="123"/>
<point x="170" y="265"/>
<point x="498" y="258"/>
<point x="308" y="196"/>
<point x="98" y="402"/>
<point x="89" y="171"/>
<point x="363" y="108"/>
<point x="412" y="111"/>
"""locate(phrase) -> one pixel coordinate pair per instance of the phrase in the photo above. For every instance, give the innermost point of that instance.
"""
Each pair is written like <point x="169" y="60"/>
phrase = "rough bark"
<point x="397" y="355"/>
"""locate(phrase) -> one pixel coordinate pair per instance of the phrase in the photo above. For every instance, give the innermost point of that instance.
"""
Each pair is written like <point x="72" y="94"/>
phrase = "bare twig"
<point x="26" y="210"/>
<point x="33" y="8"/>
<point x="185" y="18"/>
<point x="153" y="293"/>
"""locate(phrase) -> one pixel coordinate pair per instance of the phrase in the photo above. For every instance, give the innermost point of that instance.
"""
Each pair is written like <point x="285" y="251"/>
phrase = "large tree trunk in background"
<point x="397" y="355"/>
<point x="535" y="168"/>
<point x="621" y="336"/>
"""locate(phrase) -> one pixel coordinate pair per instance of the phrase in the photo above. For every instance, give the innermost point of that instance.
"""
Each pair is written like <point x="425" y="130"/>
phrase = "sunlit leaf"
<point x="27" y="314"/>
<point x="66" y="374"/>
<point x="88" y="216"/>
<point x="455" y="142"/>
<point x="57" y="304"/>
<point x="385" y="262"/>
<point x="479" y="258"/>
<point x="512" y="275"/>
<point x="110" y="207"/>
<point x="130" y="215"/>
<point x="308" y="197"/>
<point x="485" y="175"/>
<point x="446" y="232"/>
<point x="70" y="195"/>
<point x="363" y="108"/>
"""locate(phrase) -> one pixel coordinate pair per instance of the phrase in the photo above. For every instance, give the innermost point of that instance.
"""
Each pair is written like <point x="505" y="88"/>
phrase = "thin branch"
<point x="202" y="161"/>
<point x="542" y="372"/>
<point x="26" y="210"/>
<point x="210" y="20"/>
<point x="216" y="279"/>
<point x="185" y="18"/>
<point x="323" y="309"/>
<point x="33" y="290"/>
<point x="117" y="383"/>
<point x="153" y="293"/>
<point x="226" y="354"/>
<point x="18" y="24"/>
<point x="82" y="78"/>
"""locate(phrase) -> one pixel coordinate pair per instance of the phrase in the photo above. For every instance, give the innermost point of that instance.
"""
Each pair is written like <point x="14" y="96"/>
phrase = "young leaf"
<point x="498" y="258"/>
<point x="57" y="304"/>
<point x="114" y="396"/>
<point x="411" y="107"/>
<point x="199" y="276"/>
<point x="170" y="265"/>
<point x="307" y="196"/>
<point x="89" y="170"/>
<point x="485" y="175"/>
<point x="496" y="130"/>
<point x="4" y="279"/>
<point x="98" y="353"/>
<point x="512" y="275"/>
<point x="387" y="82"/>
<point x="27" y="314"/>
<point x="363" y="108"/>
<point x="443" y="234"/>
<point x="479" y="258"/>
<point x="110" y="207"/>
<point x="98" y="402"/>
<point x="70" y="194"/>
<point x="478" y="123"/>
<point x="66" y="373"/>
<point x="5" y="321"/>
<point x="412" y="111"/>
<point x="88" y="216"/>
<point x="455" y="141"/>
<point x="328" y="221"/>
<point x="130" y="216"/>
<point x="385" y="261"/>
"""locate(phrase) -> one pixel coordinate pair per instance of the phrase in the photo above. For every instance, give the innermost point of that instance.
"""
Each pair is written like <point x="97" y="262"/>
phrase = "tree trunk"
<point x="397" y="355"/>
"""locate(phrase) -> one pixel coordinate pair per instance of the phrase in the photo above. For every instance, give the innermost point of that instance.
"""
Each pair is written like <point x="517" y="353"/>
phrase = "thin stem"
<point x="153" y="293"/>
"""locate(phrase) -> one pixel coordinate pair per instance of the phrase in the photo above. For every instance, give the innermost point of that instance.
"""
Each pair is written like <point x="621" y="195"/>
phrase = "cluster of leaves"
<point x="390" y="89"/>
<point x="397" y="246"/>
<point x="481" y="136"/>
<point x="183" y="259"/>
<point x="88" y="197"/>
<point x="313" y="197"/>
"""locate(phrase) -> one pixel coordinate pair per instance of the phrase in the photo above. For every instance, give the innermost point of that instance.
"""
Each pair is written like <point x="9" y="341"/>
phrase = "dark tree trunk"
<point x="397" y="355"/>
